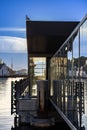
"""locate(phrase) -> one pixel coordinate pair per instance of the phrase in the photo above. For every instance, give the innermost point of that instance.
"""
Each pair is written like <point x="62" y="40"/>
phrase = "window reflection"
<point x="68" y="75"/>
<point x="37" y="71"/>
<point x="83" y="50"/>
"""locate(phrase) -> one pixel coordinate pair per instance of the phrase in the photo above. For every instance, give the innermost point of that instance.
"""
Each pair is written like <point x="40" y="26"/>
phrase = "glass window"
<point x="69" y="56"/>
<point x="83" y="50"/>
<point x="37" y="71"/>
<point x="75" y="61"/>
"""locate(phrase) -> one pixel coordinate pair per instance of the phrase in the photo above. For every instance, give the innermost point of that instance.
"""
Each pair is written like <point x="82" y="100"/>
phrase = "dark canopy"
<point x="44" y="38"/>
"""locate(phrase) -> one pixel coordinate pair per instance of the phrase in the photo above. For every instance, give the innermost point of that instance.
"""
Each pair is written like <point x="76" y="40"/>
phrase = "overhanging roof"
<point x="45" y="37"/>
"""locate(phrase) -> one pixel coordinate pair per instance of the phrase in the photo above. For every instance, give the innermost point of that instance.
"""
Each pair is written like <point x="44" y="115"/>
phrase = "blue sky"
<point x="13" y="12"/>
<point x="13" y="21"/>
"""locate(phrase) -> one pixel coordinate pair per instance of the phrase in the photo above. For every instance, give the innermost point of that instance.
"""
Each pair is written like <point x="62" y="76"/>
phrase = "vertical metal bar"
<point x="11" y="97"/>
<point x="80" y="111"/>
<point x="72" y="85"/>
<point x="47" y="68"/>
<point x="63" y="81"/>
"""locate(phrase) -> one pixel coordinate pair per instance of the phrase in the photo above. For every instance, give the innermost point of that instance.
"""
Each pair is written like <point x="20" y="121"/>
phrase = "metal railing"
<point x="17" y="90"/>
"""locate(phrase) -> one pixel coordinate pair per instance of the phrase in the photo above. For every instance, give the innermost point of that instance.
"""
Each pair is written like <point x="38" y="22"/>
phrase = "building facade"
<point x="4" y="71"/>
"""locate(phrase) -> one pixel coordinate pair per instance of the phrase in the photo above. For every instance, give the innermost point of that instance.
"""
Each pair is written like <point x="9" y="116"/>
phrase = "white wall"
<point x="4" y="71"/>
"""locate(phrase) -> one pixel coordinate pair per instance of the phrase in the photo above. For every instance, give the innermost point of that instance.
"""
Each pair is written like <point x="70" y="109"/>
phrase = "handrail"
<point x="74" y="31"/>
<point x="17" y="88"/>
<point x="63" y="116"/>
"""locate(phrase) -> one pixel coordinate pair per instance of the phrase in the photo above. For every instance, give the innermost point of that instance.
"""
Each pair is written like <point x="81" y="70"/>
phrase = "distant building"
<point x="4" y="71"/>
<point x="21" y="72"/>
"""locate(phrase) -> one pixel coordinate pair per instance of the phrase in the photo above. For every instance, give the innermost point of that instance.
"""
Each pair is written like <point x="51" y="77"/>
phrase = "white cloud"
<point x="13" y="44"/>
<point x="13" y="29"/>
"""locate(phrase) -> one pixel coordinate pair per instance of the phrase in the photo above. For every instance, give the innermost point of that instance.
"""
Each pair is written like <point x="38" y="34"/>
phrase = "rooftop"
<point x="45" y="37"/>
